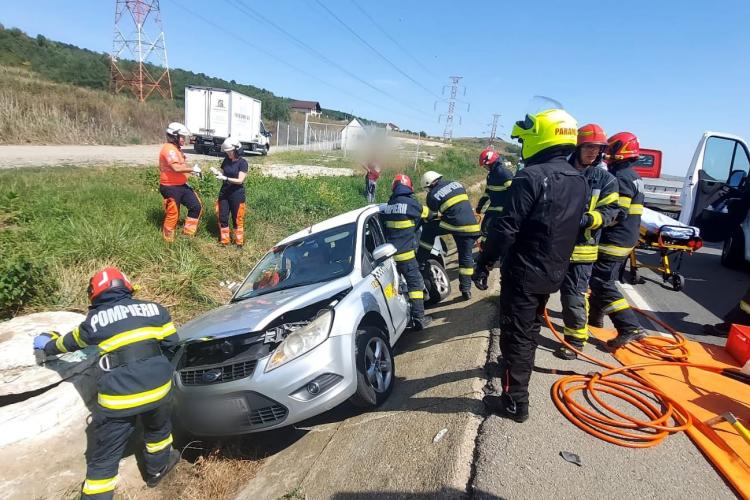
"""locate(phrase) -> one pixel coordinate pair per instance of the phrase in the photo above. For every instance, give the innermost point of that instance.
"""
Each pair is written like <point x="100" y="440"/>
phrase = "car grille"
<point x="229" y="372"/>
<point x="267" y="415"/>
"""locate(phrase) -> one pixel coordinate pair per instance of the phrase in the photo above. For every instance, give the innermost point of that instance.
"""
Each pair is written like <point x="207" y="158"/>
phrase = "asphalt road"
<point x="710" y="291"/>
<point x="522" y="461"/>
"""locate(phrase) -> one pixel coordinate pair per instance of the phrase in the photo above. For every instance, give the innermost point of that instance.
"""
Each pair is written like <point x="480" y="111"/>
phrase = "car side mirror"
<point x="736" y="178"/>
<point x="383" y="252"/>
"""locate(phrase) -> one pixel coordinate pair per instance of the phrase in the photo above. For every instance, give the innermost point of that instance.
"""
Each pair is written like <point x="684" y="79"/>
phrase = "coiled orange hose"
<point x="663" y="415"/>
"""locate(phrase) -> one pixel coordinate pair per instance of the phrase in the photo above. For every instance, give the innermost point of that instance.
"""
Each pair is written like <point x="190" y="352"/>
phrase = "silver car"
<point x="312" y="325"/>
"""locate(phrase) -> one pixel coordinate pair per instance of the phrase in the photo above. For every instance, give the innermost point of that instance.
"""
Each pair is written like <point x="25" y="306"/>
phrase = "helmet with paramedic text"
<point x="544" y="130"/>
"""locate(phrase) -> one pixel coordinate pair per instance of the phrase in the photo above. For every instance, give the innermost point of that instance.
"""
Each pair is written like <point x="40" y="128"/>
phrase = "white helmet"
<point x="176" y="128"/>
<point x="429" y="177"/>
<point x="230" y="144"/>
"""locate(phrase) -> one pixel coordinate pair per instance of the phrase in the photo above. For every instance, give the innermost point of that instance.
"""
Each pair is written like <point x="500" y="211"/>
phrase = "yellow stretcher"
<point x="669" y="240"/>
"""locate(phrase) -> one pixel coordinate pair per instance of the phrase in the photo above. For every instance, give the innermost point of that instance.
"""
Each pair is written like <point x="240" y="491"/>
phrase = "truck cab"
<point x="715" y="196"/>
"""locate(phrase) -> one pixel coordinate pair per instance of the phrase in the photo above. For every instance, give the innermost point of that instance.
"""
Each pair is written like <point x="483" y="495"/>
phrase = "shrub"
<point x="20" y="281"/>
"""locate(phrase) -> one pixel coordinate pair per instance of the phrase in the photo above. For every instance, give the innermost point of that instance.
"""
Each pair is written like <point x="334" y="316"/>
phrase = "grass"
<point x="35" y="110"/>
<point x="67" y="222"/>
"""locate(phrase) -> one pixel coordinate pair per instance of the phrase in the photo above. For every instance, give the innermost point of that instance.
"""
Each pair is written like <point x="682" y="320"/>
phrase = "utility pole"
<point x="139" y="37"/>
<point x="451" y="100"/>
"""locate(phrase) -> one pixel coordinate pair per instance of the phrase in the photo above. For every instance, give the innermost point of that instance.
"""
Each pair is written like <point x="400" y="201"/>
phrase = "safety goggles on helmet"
<point x="544" y="130"/>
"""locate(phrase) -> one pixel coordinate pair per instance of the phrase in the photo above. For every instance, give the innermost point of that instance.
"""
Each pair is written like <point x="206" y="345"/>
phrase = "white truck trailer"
<point x="214" y="114"/>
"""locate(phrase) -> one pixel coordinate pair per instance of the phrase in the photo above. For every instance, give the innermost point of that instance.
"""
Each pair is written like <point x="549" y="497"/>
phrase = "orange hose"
<point x="661" y="419"/>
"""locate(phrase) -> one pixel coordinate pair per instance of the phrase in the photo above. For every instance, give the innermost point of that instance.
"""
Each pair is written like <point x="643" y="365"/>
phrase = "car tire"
<point x="376" y="368"/>
<point x="436" y="282"/>
<point x="733" y="251"/>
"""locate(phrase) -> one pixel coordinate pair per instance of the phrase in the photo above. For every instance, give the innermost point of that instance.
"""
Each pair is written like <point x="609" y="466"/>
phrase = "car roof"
<point x="339" y="220"/>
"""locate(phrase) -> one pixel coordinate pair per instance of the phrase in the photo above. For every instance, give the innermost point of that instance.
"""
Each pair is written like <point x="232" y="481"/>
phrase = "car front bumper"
<point x="304" y="387"/>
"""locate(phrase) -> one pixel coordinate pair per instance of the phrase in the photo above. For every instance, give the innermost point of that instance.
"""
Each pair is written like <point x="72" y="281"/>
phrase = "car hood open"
<point x="254" y="314"/>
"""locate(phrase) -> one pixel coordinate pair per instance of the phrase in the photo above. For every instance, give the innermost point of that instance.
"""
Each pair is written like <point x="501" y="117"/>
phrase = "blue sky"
<point x="664" y="70"/>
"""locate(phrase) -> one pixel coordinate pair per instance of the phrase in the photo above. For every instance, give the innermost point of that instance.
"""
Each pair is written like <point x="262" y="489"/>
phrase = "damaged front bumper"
<point x="239" y="397"/>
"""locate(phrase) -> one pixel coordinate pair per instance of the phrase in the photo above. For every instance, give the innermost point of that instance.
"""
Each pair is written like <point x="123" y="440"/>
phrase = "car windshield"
<point x="317" y="258"/>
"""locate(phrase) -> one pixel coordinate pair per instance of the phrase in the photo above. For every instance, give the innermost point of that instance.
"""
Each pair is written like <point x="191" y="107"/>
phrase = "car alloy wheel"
<point x="378" y="365"/>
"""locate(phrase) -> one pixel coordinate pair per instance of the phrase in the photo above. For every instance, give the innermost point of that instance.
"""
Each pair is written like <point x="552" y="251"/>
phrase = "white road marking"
<point x="638" y="301"/>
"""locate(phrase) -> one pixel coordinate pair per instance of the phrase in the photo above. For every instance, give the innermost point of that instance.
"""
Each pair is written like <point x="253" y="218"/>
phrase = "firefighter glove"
<point x="586" y="220"/>
<point x="42" y="339"/>
<point x="481" y="273"/>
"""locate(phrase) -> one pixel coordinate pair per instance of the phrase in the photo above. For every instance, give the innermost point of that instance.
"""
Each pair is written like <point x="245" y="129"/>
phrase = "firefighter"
<point x="499" y="179"/>
<point x="135" y="381"/>
<point x="449" y="198"/>
<point x="232" y="193"/>
<point x="533" y="238"/>
<point x="600" y="212"/>
<point x="173" y="184"/>
<point x="617" y="241"/>
<point x="402" y="216"/>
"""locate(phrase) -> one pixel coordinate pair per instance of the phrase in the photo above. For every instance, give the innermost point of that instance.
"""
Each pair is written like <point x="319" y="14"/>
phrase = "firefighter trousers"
<point x="464" y="246"/>
<point x="111" y="434"/>
<point x="409" y="269"/>
<point x="521" y="315"/>
<point x="174" y="196"/>
<point x="606" y="298"/>
<point x="231" y="203"/>
<point x="575" y="305"/>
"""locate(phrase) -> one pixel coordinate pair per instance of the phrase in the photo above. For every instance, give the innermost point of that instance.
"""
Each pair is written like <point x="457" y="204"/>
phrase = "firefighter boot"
<point x="224" y="236"/>
<point x="566" y="353"/>
<point x="504" y="406"/>
<point x="174" y="459"/>
<point x="190" y="227"/>
<point x="626" y="338"/>
<point x="420" y="323"/>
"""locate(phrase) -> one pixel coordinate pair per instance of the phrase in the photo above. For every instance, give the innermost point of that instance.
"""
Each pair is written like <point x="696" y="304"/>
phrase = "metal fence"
<point x="310" y="136"/>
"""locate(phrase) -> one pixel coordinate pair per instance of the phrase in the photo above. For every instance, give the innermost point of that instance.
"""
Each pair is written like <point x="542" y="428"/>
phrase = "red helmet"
<point x="107" y="279"/>
<point x="488" y="157"/>
<point x="592" y="133"/>
<point x="623" y="146"/>
<point x="402" y="179"/>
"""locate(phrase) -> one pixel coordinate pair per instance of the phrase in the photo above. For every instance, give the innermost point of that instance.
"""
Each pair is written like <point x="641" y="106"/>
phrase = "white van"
<point x="716" y="195"/>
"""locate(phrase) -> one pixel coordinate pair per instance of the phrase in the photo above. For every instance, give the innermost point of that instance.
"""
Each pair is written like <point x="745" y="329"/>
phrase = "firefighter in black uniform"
<point x="601" y="212"/>
<point x="534" y="239"/>
<point x="457" y="219"/>
<point x="617" y="241"/>
<point x="136" y="379"/>
<point x="499" y="179"/>
<point x="402" y="216"/>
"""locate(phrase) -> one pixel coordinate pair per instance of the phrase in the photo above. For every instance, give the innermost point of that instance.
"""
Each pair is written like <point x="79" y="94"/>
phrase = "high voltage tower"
<point x="493" y="130"/>
<point x="139" y="53"/>
<point x="452" y="100"/>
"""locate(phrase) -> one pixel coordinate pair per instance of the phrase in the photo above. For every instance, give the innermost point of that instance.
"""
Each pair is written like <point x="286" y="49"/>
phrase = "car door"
<point x="386" y="275"/>
<point x="723" y="157"/>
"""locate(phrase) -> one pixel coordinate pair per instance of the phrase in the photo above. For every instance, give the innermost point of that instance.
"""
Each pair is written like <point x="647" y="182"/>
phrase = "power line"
<point x="258" y="16"/>
<point x="392" y="39"/>
<point x="376" y="51"/>
<point x="264" y="51"/>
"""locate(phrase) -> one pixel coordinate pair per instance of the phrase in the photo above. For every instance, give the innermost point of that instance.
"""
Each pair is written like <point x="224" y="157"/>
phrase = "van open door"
<point x="718" y="158"/>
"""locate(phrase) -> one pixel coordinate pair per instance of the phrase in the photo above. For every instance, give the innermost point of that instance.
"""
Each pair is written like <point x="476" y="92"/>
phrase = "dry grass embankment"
<point x="34" y="110"/>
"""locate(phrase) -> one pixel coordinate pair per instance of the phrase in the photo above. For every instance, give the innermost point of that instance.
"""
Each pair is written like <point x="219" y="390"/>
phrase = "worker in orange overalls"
<point x="173" y="184"/>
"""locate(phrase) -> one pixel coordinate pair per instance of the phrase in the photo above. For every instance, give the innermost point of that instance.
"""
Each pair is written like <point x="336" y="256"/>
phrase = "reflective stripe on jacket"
<point x="117" y="322"/>
<point x="619" y="239"/>
<point x="401" y="217"/>
<point x="451" y="200"/>
<point x="603" y="208"/>
<point x="499" y="180"/>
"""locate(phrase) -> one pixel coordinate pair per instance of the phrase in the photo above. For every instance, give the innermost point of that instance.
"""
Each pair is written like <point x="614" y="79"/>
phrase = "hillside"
<point x="63" y="63"/>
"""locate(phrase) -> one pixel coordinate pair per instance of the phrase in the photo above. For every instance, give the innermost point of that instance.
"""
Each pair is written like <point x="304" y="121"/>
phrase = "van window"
<point x="717" y="158"/>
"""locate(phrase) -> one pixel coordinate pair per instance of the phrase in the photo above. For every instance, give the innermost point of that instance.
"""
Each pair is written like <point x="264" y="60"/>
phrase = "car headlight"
<point x="301" y="341"/>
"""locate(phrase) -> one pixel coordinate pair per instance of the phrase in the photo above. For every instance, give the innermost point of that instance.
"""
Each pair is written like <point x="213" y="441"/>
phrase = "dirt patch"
<point x="290" y="171"/>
